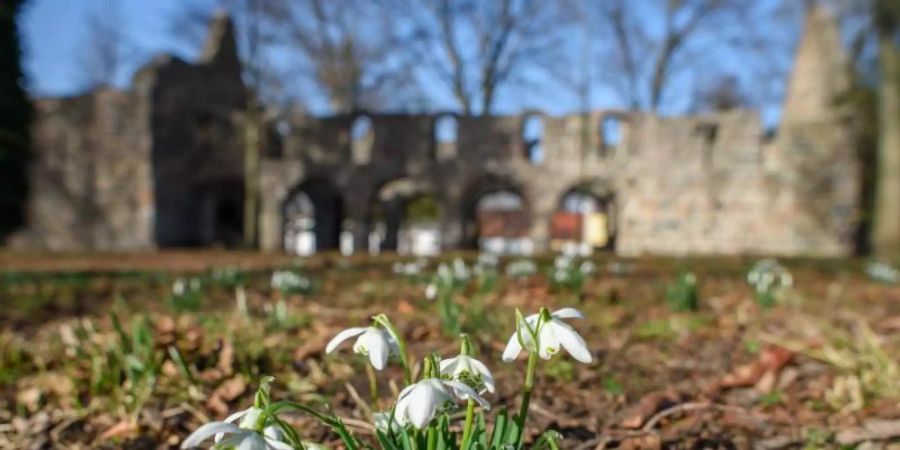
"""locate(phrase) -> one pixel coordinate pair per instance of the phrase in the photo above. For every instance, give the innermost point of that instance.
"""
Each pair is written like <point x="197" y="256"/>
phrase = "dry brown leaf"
<point x="226" y="392"/>
<point x="770" y="361"/>
<point x="649" y="441"/>
<point x="120" y="430"/>
<point x="226" y="358"/>
<point x="635" y="416"/>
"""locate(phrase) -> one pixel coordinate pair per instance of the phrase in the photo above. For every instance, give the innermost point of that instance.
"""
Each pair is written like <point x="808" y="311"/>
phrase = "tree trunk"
<point x="886" y="229"/>
<point x="252" y="127"/>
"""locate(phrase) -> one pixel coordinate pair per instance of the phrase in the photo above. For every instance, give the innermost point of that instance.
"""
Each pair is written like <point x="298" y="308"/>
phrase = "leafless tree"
<point x="106" y="51"/>
<point x="477" y="47"/>
<point x="346" y="50"/>
<point x="650" y="44"/>
<point x="723" y="94"/>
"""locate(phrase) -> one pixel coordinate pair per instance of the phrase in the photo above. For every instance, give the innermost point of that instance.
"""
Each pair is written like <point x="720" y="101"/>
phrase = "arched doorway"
<point x="405" y="218"/>
<point x="496" y="218"/>
<point x="585" y="220"/>
<point x="312" y="216"/>
<point x="220" y="213"/>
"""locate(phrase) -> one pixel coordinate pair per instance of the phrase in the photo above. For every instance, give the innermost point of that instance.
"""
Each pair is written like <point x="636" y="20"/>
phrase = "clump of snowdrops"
<point x="770" y="280"/>
<point x="683" y="295"/>
<point x="569" y="275"/>
<point x="422" y="416"/>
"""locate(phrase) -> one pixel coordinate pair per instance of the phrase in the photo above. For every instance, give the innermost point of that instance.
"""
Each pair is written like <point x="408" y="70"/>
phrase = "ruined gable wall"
<point x="696" y="185"/>
<point x="197" y="148"/>
<point x="91" y="185"/>
<point x="814" y="152"/>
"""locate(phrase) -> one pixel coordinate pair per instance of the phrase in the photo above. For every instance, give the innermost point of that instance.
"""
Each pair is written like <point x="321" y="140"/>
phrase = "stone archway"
<point x="220" y="216"/>
<point x="312" y="214"/>
<point x="496" y="217"/>
<point x="404" y="216"/>
<point x="585" y="219"/>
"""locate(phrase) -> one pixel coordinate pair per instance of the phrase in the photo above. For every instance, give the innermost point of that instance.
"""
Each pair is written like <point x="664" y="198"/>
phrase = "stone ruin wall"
<point x="155" y="166"/>
<point x="91" y="178"/>
<point x="151" y="166"/>
<point x="709" y="184"/>
<point x="488" y="153"/>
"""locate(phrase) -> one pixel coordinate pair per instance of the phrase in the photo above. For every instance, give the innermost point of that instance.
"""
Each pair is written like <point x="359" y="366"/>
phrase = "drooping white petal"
<point x="234" y="417"/>
<point x="571" y="341"/>
<point x="238" y="415"/>
<point x="209" y="430"/>
<point x="250" y="418"/>
<point x="275" y="444"/>
<point x="343" y="336"/>
<point x="549" y="344"/>
<point x="485" y="373"/>
<point x="247" y="440"/>
<point x="567" y="313"/>
<point x="405" y="391"/>
<point x="423" y="402"/>
<point x="513" y="348"/>
<point x="463" y="391"/>
<point x="450" y="365"/>
<point x="232" y="441"/>
<point x="377" y="346"/>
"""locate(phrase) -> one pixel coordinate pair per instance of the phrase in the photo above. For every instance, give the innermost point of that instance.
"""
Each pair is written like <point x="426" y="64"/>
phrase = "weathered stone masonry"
<point x="160" y="165"/>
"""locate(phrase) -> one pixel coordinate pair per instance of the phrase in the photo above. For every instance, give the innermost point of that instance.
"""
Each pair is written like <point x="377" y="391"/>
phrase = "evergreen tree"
<point x="15" y="119"/>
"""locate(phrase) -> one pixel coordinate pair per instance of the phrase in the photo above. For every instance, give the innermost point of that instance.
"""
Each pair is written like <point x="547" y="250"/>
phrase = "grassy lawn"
<point x="136" y="351"/>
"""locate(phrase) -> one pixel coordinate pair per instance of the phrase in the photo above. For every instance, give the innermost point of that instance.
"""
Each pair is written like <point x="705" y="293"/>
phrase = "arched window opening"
<point x="445" y="129"/>
<point x="445" y="137"/>
<point x="362" y="137"/>
<point x="610" y="136"/>
<point x="532" y="138"/>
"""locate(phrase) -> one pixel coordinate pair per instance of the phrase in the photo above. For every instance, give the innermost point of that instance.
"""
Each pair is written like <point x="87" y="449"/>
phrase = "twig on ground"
<point x="358" y="400"/>
<point x="693" y="406"/>
<point x="872" y="430"/>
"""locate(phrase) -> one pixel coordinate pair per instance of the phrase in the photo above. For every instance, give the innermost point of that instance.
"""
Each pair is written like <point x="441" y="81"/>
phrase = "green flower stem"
<point x="470" y="419"/>
<point x="373" y="384"/>
<point x="432" y="437"/>
<point x="526" y="397"/>
<point x="401" y="344"/>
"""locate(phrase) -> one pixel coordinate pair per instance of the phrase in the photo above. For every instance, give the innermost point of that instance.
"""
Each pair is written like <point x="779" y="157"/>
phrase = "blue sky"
<point x="54" y="30"/>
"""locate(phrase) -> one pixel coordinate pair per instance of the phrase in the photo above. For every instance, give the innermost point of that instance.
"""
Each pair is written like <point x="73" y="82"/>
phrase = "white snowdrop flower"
<point x="551" y="334"/>
<point x="243" y="436"/>
<point x="562" y="262"/>
<point x="560" y="276"/>
<point x="375" y="342"/>
<point x="488" y="259"/>
<point x="521" y="268"/>
<point x="470" y="371"/>
<point x="418" y="403"/>
<point x="384" y="423"/>
<point x="285" y="280"/>
<point x="179" y="286"/>
<point x="587" y="268"/>
<point x="460" y="271"/>
<point x="443" y="272"/>
<point x="431" y="291"/>
<point x="767" y="274"/>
